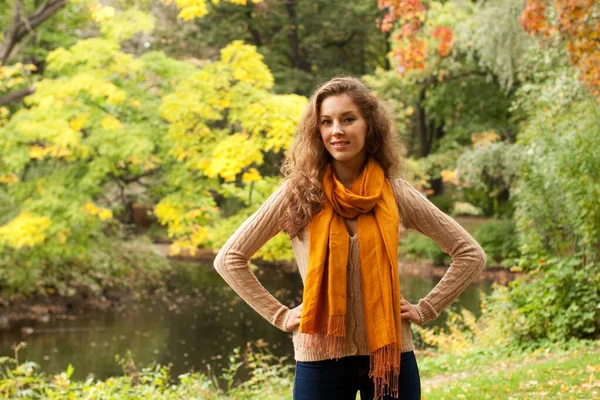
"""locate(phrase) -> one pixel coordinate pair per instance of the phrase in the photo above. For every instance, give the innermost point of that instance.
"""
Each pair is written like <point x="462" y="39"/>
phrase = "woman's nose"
<point x="337" y="128"/>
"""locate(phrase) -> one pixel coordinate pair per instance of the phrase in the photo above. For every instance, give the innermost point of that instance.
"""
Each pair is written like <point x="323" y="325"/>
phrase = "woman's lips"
<point x="340" y="145"/>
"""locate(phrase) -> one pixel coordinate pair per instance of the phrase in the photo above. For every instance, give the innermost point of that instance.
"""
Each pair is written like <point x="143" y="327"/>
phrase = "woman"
<point x="344" y="206"/>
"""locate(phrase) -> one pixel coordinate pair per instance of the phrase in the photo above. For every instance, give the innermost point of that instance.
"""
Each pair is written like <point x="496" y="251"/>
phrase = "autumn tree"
<point x="576" y="23"/>
<point x="105" y="130"/>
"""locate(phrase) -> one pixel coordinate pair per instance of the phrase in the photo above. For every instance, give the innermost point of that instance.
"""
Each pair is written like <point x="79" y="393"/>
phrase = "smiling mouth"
<point x="339" y="144"/>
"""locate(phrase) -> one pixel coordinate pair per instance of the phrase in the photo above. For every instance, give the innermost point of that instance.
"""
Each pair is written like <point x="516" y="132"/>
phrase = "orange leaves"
<point x="576" y="22"/>
<point x="410" y="56"/>
<point x="411" y="44"/>
<point x="407" y="11"/>
<point x="533" y="20"/>
<point x="444" y="34"/>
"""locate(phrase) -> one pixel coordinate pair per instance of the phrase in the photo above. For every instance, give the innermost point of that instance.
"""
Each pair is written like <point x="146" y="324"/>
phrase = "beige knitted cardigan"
<point x="416" y="212"/>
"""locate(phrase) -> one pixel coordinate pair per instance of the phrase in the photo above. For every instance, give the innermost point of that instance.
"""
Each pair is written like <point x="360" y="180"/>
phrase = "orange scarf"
<point x="371" y="199"/>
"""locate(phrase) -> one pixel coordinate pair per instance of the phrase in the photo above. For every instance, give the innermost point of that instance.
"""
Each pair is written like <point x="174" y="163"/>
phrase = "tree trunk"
<point x="295" y="53"/>
<point x="422" y="128"/>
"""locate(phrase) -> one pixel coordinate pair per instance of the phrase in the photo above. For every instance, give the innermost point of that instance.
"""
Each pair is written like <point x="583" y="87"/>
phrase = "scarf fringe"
<point x="327" y="339"/>
<point x="384" y="369"/>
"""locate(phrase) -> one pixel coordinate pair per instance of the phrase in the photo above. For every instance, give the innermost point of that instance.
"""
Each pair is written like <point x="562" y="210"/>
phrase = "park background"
<point x="135" y="136"/>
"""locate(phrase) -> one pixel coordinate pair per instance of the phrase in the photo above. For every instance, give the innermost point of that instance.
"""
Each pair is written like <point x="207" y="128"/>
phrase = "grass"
<point x="561" y="375"/>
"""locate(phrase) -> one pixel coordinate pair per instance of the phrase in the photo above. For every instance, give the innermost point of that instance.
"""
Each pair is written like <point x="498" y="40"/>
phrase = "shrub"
<point x="556" y="301"/>
<point x="464" y="208"/>
<point x="500" y="241"/>
<point x="103" y="263"/>
<point x="443" y="202"/>
<point x="416" y="246"/>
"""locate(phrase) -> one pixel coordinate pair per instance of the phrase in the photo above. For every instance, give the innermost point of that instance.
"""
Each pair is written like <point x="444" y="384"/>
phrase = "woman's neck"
<point x="347" y="172"/>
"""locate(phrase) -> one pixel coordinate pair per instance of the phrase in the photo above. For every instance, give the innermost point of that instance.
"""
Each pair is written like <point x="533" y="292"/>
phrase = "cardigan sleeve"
<point x="232" y="259"/>
<point x="468" y="258"/>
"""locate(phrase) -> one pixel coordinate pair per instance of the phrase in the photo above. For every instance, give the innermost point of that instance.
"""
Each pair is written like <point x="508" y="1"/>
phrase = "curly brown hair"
<point x="305" y="163"/>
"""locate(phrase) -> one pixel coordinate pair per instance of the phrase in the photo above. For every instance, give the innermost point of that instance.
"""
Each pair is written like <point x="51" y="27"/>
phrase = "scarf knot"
<point x="359" y="199"/>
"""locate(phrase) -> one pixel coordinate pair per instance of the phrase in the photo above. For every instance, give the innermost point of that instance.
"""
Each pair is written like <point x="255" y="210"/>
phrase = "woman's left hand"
<point x="409" y="312"/>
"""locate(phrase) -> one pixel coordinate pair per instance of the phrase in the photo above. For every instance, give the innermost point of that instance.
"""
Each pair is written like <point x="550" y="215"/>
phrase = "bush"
<point x="499" y="241"/>
<point x="556" y="301"/>
<point x="416" y="247"/>
<point x="464" y="208"/>
<point x="443" y="202"/>
<point x="105" y="262"/>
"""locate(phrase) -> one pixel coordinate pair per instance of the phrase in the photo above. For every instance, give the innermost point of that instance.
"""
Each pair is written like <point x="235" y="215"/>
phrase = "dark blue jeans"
<point x="341" y="379"/>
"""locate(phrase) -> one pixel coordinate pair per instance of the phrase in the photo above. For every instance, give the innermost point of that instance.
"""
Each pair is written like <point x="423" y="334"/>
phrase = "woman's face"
<point x="343" y="130"/>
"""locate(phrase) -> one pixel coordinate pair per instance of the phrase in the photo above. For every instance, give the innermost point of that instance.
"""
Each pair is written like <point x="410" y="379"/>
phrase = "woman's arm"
<point x="468" y="258"/>
<point x="232" y="260"/>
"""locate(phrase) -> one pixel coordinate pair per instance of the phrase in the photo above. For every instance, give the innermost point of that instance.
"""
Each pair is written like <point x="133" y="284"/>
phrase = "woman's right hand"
<point x="293" y="320"/>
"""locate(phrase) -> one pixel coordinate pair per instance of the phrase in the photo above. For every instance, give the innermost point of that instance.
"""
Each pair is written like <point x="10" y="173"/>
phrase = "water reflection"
<point x="193" y="321"/>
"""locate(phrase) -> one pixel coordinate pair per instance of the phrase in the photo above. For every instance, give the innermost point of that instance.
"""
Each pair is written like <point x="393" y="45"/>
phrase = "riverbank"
<point x="19" y="311"/>
<point x="42" y="309"/>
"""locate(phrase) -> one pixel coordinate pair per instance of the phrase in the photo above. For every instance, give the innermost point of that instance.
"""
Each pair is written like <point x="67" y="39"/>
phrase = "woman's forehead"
<point x="337" y="105"/>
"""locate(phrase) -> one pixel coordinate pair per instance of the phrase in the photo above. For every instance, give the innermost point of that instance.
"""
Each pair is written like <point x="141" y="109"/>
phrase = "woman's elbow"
<point x="219" y="263"/>
<point x="482" y="258"/>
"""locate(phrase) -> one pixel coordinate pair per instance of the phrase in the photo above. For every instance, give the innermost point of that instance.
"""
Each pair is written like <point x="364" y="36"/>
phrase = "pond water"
<point x="192" y="322"/>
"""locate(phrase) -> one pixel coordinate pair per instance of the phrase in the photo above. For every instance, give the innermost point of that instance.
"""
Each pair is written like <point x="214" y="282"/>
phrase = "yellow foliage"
<point x="191" y="242"/>
<point x="232" y="155"/>
<point x="449" y="177"/>
<point x="170" y="215"/>
<point x="201" y="96"/>
<point x="78" y="122"/>
<point x="12" y="75"/>
<point x="251" y="176"/>
<point x="101" y="13"/>
<point x="36" y="152"/>
<point x="465" y="332"/>
<point x="110" y="123"/>
<point x="462" y="328"/>
<point x="276" y="117"/>
<point x="64" y="235"/>
<point x="148" y="164"/>
<point x="39" y="152"/>
<point x="181" y="224"/>
<point x="484" y="138"/>
<point x="51" y="94"/>
<point x="4" y="113"/>
<point x="26" y="230"/>
<point x="191" y="9"/>
<point x="247" y="64"/>
<point x="9" y="179"/>
<point x="102" y="213"/>
<point x="126" y="23"/>
<point x="55" y="132"/>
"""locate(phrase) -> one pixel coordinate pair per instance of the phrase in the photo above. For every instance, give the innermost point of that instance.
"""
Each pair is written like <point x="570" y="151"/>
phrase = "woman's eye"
<point x="349" y="119"/>
<point x="325" y="122"/>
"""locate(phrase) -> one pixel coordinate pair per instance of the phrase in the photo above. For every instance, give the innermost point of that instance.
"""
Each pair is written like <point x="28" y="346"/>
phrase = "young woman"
<point x="344" y="207"/>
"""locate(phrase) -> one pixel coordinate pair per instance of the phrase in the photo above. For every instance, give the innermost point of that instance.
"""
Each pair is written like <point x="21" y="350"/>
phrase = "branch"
<point x="17" y="95"/>
<point x="126" y="180"/>
<point x="22" y="26"/>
